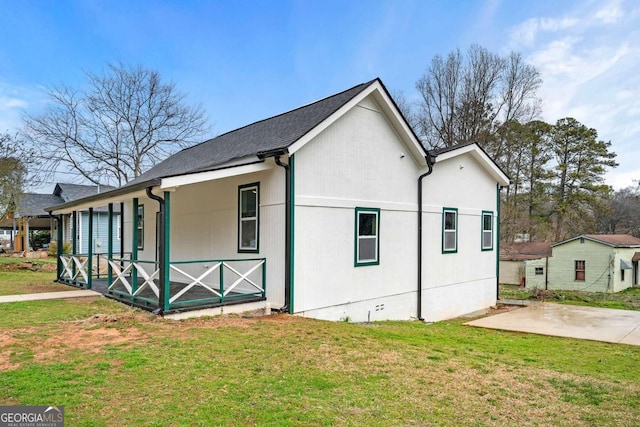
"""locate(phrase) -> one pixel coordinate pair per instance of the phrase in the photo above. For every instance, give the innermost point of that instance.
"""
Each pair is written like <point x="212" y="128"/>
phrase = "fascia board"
<point x="195" y="178"/>
<point x="390" y="112"/>
<point x="481" y="157"/>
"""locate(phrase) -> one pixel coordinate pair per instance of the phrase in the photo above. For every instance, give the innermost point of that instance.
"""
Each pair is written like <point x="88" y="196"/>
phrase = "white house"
<point x="333" y="210"/>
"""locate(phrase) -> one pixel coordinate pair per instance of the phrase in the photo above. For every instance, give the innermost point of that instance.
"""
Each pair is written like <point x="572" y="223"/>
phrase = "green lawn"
<point x="25" y="276"/>
<point x="128" y="368"/>
<point x="629" y="299"/>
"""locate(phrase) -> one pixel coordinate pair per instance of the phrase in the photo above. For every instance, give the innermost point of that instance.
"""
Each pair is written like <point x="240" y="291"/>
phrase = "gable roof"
<point x="474" y="149"/>
<point x="33" y="204"/>
<point x="248" y="146"/>
<point x="519" y="251"/>
<point x="70" y="192"/>
<point x="268" y="135"/>
<point x="614" y="240"/>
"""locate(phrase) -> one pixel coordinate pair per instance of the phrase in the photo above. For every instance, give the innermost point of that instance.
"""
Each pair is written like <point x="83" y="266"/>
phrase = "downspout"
<point x="161" y="251"/>
<point x="430" y="162"/>
<point x="287" y="244"/>
<point x="546" y="273"/>
<point x="498" y="243"/>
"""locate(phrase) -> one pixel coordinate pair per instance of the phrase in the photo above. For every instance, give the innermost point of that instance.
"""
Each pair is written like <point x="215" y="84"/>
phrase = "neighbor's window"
<point x="580" y="268"/>
<point x="141" y="227"/>
<point x="449" y="230"/>
<point x="487" y="231"/>
<point x="367" y="240"/>
<point x="539" y="271"/>
<point x="248" y="217"/>
<point x="622" y="275"/>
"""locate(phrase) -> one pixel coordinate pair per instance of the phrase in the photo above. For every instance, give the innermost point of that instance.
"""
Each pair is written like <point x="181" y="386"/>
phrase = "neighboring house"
<point x="100" y="221"/>
<point x="315" y="212"/>
<point x="590" y="262"/>
<point x="514" y="257"/>
<point x="30" y="215"/>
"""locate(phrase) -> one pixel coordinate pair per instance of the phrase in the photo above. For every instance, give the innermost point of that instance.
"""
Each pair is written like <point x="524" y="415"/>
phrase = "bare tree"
<point x="465" y="98"/>
<point x="124" y="122"/>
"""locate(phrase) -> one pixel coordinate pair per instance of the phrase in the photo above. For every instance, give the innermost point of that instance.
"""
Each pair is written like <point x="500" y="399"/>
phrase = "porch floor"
<point x="195" y="298"/>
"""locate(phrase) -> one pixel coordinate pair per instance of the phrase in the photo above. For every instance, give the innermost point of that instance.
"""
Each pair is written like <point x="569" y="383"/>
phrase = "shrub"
<point x="53" y="248"/>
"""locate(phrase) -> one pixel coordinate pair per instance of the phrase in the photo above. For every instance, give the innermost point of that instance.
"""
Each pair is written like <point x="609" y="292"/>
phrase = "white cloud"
<point x="609" y="14"/>
<point x="526" y="33"/>
<point x="588" y="60"/>
<point x="7" y="103"/>
<point x="13" y="101"/>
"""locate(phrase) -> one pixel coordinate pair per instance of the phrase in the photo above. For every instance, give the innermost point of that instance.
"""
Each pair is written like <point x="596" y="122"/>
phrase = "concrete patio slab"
<point x="589" y="323"/>
<point x="50" y="295"/>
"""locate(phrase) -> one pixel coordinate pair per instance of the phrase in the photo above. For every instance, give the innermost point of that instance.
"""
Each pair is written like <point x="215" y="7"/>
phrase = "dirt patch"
<point x="6" y="340"/>
<point x="233" y="320"/>
<point x="86" y="340"/>
<point x="28" y="266"/>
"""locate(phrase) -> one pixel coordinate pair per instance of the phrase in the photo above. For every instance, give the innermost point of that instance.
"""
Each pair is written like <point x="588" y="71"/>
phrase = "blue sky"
<point x="247" y="60"/>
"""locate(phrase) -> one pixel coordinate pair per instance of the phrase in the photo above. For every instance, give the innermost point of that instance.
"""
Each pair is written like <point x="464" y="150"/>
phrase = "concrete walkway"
<point x="560" y="320"/>
<point x="50" y="295"/>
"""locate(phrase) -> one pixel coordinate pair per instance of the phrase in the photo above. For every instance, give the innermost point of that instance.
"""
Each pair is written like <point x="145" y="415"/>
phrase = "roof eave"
<point x="391" y="111"/>
<point x="89" y="201"/>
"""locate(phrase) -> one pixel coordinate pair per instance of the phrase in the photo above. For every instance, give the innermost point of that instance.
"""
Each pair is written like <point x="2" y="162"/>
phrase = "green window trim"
<point x="449" y="228"/>
<point x="366" y="229"/>
<point x="487" y="231"/>
<point x="140" y="226"/>
<point x="249" y="218"/>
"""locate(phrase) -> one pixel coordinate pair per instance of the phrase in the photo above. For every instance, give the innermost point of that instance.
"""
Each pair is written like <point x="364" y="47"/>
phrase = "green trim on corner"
<point x="292" y="233"/>
<point x="90" y="249"/>
<point x="482" y="230"/>
<point x="166" y="263"/>
<point x="240" y="189"/>
<point x="60" y="247"/>
<point x="110" y="244"/>
<point x="356" y="237"/>
<point x="134" y="244"/>
<point x="445" y="210"/>
<point x="498" y="241"/>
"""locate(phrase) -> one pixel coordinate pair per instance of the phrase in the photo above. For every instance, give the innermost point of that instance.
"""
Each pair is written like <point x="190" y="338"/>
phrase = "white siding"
<point x="359" y="162"/>
<point x="204" y="224"/>
<point x="465" y="281"/>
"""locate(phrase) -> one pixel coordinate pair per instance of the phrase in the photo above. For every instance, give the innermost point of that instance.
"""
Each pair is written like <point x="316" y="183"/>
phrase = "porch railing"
<point x="191" y="283"/>
<point x="75" y="268"/>
<point x="135" y="279"/>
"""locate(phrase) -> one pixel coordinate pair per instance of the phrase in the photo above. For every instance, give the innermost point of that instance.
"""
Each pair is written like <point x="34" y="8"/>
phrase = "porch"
<point x="193" y="284"/>
<point x="161" y="285"/>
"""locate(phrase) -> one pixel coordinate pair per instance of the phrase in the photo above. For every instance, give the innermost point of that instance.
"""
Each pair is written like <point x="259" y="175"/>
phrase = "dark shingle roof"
<point x="69" y="192"/>
<point x="31" y="204"/>
<point x="34" y="204"/>
<point x="277" y="132"/>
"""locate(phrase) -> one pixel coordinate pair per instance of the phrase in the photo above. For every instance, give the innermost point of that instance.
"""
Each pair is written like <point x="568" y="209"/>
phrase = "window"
<point x="487" y="231"/>
<point x="580" y="269"/>
<point x="539" y="271"/>
<point x="622" y="275"/>
<point x="367" y="242"/>
<point x="141" y="227"/>
<point x="248" y="217"/>
<point x="449" y="230"/>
